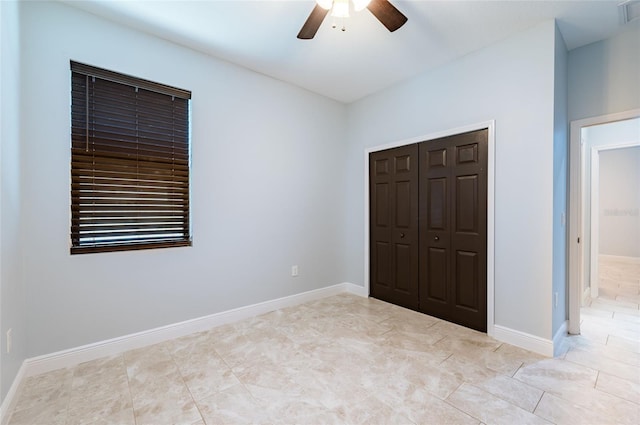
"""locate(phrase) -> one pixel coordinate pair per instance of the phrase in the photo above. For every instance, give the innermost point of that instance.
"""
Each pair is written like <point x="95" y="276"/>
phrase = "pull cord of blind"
<point x="86" y="113"/>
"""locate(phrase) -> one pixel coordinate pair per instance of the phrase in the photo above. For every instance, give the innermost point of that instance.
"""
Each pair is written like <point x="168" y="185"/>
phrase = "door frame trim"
<point x="577" y="251"/>
<point x="490" y="126"/>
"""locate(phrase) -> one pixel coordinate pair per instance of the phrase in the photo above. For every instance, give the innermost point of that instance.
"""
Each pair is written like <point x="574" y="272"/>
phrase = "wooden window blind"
<point x="129" y="162"/>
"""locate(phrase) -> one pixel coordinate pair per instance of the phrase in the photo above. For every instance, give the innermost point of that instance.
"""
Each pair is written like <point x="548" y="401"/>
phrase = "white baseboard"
<point x="75" y="356"/>
<point x="356" y="290"/>
<point x="620" y="259"/>
<point x="11" y="399"/>
<point x="523" y="340"/>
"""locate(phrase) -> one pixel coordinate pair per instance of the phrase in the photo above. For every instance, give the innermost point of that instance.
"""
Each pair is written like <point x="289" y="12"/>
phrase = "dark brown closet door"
<point x="453" y="229"/>
<point x="393" y="191"/>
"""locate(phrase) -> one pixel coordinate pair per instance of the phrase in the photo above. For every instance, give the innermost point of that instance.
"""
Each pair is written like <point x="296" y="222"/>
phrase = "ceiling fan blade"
<point x="386" y="13"/>
<point x="310" y="27"/>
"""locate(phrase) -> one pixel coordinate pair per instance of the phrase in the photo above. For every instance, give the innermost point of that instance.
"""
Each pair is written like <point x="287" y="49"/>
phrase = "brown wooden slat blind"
<point x="129" y="162"/>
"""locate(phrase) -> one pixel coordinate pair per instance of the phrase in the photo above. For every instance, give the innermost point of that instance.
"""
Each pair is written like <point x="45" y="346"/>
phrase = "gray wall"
<point x="267" y="178"/>
<point x="619" y="224"/>
<point x="513" y="83"/>
<point x="604" y="77"/>
<point x="560" y="155"/>
<point x="12" y="290"/>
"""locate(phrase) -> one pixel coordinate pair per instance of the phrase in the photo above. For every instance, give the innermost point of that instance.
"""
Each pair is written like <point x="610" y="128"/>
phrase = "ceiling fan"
<point x="386" y="13"/>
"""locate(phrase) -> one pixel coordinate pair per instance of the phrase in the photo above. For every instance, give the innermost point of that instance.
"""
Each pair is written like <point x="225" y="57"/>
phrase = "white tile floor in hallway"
<point x="350" y="360"/>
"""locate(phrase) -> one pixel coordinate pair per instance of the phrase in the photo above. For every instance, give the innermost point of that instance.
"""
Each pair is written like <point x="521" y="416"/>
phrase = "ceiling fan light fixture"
<point x="325" y="4"/>
<point x="384" y="12"/>
<point x="358" y="5"/>
<point x="340" y="9"/>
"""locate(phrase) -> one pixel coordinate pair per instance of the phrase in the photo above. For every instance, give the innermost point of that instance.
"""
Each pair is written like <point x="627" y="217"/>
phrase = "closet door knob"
<point x="436" y="239"/>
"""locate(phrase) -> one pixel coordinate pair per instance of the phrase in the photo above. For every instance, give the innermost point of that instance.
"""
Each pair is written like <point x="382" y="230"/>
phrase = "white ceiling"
<point x="346" y="66"/>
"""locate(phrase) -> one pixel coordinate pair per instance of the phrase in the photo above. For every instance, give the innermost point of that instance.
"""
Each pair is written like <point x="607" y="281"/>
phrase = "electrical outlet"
<point x="9" y="340"/>
<point x="294" y="271"/>
<point x="555" y="295"/>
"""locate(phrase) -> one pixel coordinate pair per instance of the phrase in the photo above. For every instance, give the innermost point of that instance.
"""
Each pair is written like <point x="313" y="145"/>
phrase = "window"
<point x="129" y="162"/>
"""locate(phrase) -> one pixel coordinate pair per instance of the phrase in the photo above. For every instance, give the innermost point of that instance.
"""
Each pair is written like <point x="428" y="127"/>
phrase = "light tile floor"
<point x="349" y="360"/>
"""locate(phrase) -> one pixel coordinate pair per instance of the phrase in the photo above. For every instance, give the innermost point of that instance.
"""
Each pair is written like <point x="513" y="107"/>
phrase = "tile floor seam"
<point x="445" y="359"/>
<point x="503" y="399"/>
<point x="446" y="400"/>
<point x="186" y="386"/>
<point x="242" y="383"/>
<point x="534" y="410"/>
<point x="457" y="388"/>
<point x="538" y="403"/>
<point x="531" y="384"/>
<point x="232" y="372"/>
<point x="637" y="403"/>
<point x="126" y="372"/>
<point x="516" y="371"/>
<point x="438" y="341"/>
<point x="390" y="330"/>
<point x="66" y="416"/>
<point x="124" y="362"/>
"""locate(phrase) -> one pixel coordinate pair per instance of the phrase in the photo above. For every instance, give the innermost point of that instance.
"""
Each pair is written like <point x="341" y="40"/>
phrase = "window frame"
<point x="130" y="188"/>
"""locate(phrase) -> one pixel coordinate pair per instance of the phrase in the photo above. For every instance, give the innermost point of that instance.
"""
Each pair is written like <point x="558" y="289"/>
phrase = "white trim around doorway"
<point x="490" y="126"/>
<point x="576" y="217"/>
